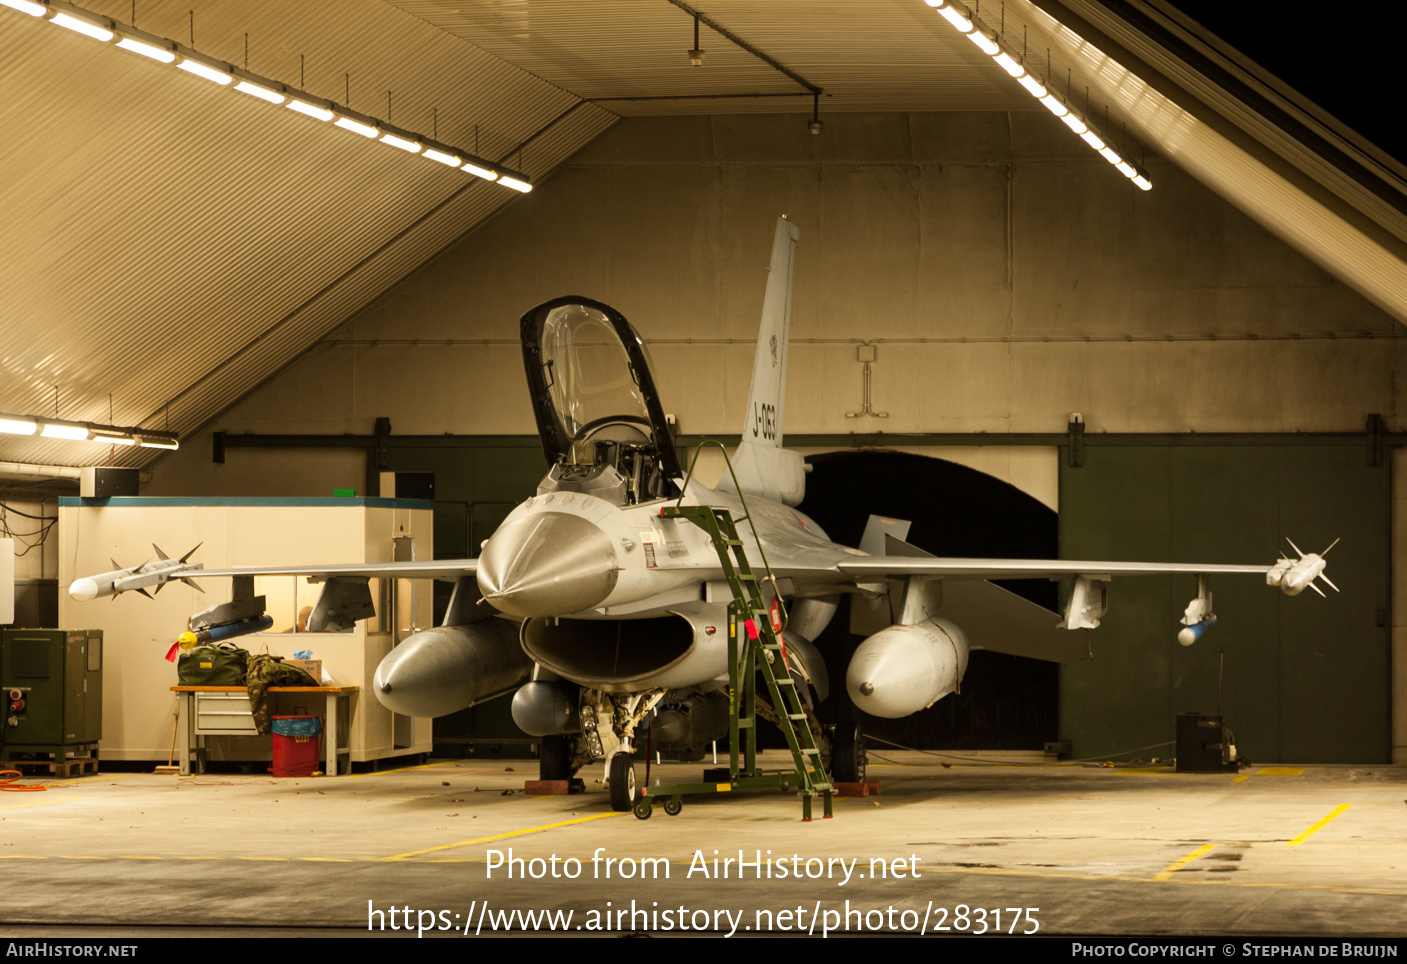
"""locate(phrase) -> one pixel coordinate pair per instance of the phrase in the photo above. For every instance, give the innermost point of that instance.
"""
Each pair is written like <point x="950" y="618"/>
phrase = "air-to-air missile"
<point x="156" y="572"/>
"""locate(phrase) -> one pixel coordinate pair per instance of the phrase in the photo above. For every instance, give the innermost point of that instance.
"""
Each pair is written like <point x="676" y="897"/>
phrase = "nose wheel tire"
<point x="622" y="781"/>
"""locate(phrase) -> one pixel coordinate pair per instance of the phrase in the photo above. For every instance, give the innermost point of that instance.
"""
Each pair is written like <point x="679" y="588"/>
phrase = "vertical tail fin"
<point x="762" y="466"/>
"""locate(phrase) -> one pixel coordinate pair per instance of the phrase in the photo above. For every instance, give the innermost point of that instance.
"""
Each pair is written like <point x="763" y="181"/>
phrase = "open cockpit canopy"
<point x="598" y="414"/>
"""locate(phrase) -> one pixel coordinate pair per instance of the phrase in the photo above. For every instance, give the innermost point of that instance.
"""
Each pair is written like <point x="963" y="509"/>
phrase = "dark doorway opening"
<point x="1007" y="702"/>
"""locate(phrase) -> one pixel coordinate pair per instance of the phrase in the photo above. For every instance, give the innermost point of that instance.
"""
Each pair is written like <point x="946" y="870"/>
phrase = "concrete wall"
<point x="1008" y="277"/>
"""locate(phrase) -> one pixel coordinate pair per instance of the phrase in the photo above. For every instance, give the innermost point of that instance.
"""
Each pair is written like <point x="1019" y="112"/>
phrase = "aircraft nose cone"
<point x="547" y="564"/>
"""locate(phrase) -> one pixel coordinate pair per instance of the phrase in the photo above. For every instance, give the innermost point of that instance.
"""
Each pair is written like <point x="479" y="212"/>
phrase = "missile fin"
<point x="1298" y="550"/>
<point x="149" y="595"/>
<point x="1331" y="545"/>
<point x="191" y="553"/>
<point x="192" y="583"/>
<point x="1317" y="589"/>
<point x="161" y="555"/>
<point x="1329" y="581"/>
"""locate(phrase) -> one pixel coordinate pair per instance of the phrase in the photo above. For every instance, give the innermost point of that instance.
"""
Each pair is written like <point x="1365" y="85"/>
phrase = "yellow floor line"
<point x="1177" y="865"/>
<point x="379" y="773"/>
<point x="1241" y="779"/>
<point x="500" y="836"/>
<point x="1333" y="815"/>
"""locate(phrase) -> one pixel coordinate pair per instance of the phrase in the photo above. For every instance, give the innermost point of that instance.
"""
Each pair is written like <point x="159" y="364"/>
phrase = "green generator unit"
<point x="52" y="681"/>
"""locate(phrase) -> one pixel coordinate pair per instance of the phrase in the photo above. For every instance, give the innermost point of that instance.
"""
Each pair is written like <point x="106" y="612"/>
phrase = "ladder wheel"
<point x="622" y="779"/>
<point x="643" y="808"/>
<point x="554" y="758"/>
<point x="672" y="806"/>
<point x="848" y="754"/>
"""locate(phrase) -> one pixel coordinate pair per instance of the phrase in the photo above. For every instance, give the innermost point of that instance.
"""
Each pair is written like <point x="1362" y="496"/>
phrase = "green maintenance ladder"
<point x="756" y="649"/>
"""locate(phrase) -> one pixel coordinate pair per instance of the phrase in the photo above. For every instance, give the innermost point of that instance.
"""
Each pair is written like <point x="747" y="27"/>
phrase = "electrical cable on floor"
<point x="11" y="785"/>
<point x="976" y="761"/>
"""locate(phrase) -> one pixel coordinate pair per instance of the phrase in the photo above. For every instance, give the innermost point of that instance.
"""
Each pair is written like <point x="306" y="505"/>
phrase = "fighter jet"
<point x="599" y="612"/>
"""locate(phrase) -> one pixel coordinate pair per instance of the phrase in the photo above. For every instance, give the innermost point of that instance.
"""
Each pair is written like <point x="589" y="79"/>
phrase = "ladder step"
<point x="796" y="716"/>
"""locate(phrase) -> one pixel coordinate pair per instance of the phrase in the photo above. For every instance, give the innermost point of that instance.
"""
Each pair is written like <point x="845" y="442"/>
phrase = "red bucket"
<point x="297" y="740"/>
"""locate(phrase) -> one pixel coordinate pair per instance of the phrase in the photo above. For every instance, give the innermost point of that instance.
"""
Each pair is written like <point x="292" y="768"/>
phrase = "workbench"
<point x="225" y="711"/>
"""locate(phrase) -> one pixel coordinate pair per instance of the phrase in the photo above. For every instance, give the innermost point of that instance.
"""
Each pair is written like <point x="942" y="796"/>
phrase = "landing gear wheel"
<point x="672" y="806"/>
<point x="554" y="760"/>
<point x="622" y="780"/>
<point x="643" y="809"/>
<point x="848" y="754"/>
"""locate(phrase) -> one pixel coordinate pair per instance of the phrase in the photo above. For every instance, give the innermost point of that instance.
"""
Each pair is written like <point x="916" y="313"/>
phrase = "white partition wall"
<point x="101" y="535"/>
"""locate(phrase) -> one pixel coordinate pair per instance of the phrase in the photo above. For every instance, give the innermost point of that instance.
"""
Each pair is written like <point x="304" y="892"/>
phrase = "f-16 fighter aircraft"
<point x="596" y="611"/>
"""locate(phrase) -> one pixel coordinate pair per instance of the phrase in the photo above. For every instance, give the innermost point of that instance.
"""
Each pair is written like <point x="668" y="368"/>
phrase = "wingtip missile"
<point x="136" y="579"/>
<point x="1293" y="576"/>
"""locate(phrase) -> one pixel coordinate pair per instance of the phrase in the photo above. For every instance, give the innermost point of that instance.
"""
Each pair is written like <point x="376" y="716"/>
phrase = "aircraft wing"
<point x="880" y="567"/>
<point x="417" y="569"/>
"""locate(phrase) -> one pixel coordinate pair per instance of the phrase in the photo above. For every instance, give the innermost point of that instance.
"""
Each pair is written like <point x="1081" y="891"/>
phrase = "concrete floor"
<point x="1317" y="851"/>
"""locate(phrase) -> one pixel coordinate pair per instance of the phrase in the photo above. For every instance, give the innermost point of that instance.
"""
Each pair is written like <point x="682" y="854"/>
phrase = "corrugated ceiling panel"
<point x="878" y="55"/>
<point x="170" y="239"/>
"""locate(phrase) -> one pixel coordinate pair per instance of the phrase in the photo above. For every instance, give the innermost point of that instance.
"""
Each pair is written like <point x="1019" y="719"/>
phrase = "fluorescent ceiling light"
<point x="951" y="14"/>
<point x="148" y="442"/>
<point x="441" y="156"/>
<point x="263" y="93"/>
<point x="26" y="6"/>
<point x="1076" y="123"/>
<point x="356" y="127"/>
<point x="1093" y="140"/>
<point x="1030" y="82"/>
<point x="147" y="50"/>
<point x="478" y="171"/>
<point x="1110" y="155"/>
<point x="984" y="43"/>
<point x="517" y="185"/>
<point x="1126" y="169"/>
<point x="17" y="426"/>
<point x="1009" y="64"/>
<point x="54" y="430"/>
<point x="205" y="70"/>
<point x="86" y="27"/>
<point x="1052" y="104"/>
<point x="311" y="110"/>
<point x="1143" y="183"/>
<point x="113" y="439"/>
<point x="401" y="142"/>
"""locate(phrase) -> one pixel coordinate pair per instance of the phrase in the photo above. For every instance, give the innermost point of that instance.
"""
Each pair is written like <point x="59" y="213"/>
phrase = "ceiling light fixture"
<point x="307" y="108"/>
<point x="86" y="431"/>
<point x="990" y="44"/>
<point x="26" y="6"/>
<point x="152" y="51"/>
<point x="267" y="94"/>
<point x="696" y="56"/>
<point x="86" y="25"/>
<point x="356" y="127"/>
<point x="167" y="51"/>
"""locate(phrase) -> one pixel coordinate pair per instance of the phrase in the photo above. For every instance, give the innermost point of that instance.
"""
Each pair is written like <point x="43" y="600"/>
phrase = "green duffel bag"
<point x="219" y="664"/>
